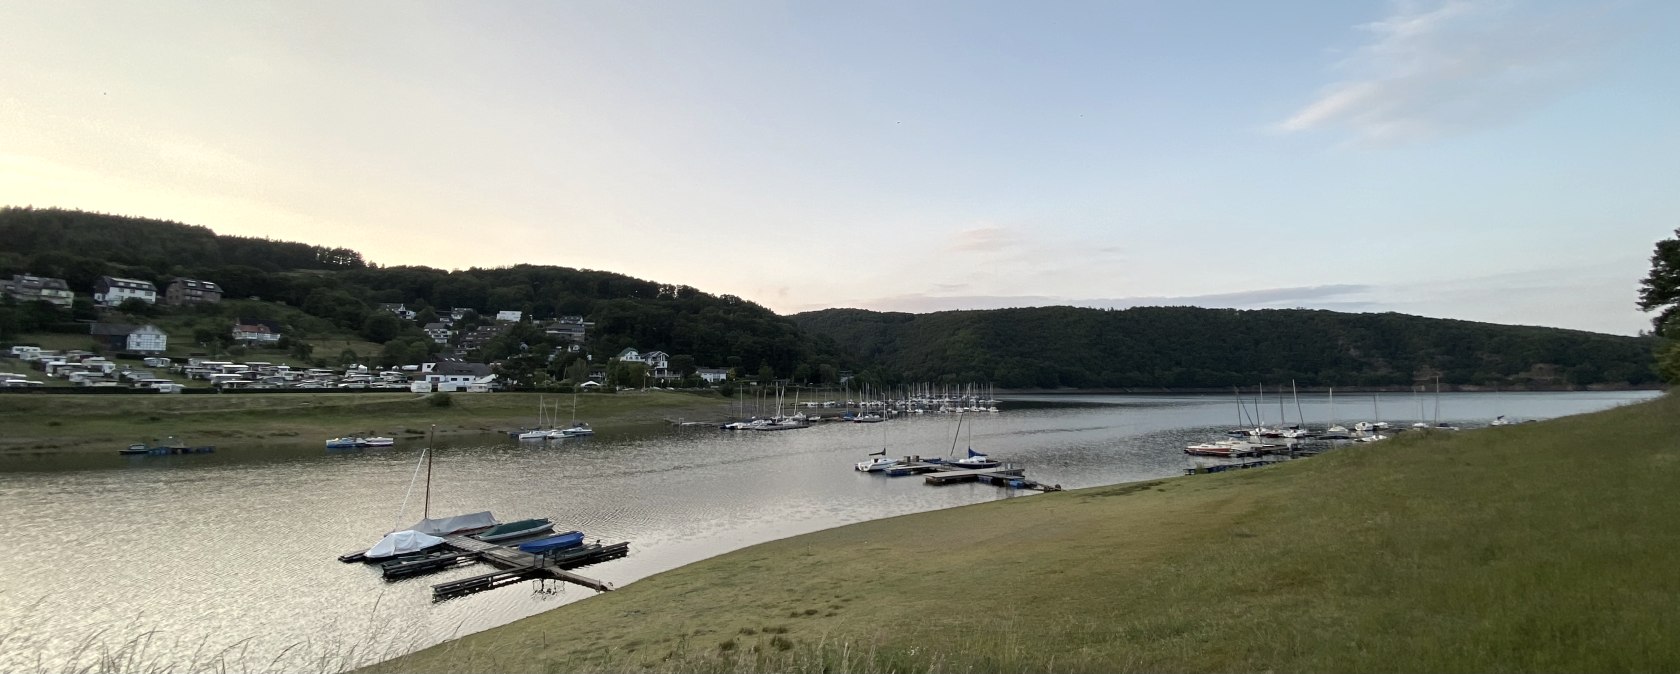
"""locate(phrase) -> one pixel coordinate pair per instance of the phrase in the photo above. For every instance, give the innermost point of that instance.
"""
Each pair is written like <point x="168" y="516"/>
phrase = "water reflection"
<point x="210" y="550"/>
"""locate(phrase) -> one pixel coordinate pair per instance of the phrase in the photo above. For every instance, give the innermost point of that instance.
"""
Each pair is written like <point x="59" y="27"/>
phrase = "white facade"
<point x="713" y="375"/>
<point x="148" y="338"/>
<point x="510" y="316"/>
<point x="111" y="291"/>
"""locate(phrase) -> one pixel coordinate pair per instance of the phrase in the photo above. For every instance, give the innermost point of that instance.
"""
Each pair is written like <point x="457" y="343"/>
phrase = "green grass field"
<point x="41" y="422"/>
<point x="1541" y="547"/>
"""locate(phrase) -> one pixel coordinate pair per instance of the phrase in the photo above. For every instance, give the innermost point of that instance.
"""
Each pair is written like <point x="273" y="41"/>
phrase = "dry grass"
<point x="1542" y="547"/>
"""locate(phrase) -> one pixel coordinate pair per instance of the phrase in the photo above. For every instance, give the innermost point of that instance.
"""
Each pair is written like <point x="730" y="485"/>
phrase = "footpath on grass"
<point x="1539" y="547"/>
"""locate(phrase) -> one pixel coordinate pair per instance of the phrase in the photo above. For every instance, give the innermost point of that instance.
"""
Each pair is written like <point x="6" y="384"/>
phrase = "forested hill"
<point x="315" y="291"/>
<point x="1187" y="347"/>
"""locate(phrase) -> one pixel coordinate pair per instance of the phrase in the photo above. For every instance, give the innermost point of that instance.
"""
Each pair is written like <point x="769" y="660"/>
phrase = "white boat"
<point x="378" y="441"/>
<point x="976" y="460"/>
<point x="1500" y="421"/>
<point x="876" y="464"/>
<point x="1370" y="438"/>
<point x="537" y="434"/>
<point x="577" y="428"/>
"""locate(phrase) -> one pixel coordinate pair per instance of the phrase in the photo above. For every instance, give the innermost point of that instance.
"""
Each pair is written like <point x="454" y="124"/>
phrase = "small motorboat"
<point x="876" y="464"/>
<point x="537" y="434"/>
<point x="570" y="539"/>
<point x="502" y="532"/>
<point x="378" y="442"/>
<point x="577" y="428"/>
<point x="346" y="442"/>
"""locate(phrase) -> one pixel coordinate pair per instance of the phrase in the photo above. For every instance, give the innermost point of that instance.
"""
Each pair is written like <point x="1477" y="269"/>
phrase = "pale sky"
<point x="1501" y="161"/>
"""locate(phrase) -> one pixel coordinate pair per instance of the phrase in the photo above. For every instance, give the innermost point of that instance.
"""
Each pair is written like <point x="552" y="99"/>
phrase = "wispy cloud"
<point x="1451" y="67"/>
<point x="991" y="239"/>
<point x="1343" y="297"/>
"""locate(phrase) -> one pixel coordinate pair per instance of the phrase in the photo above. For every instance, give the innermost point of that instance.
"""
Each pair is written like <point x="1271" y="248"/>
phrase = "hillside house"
<point x="630" y="355"/>
<point x="572" y="329"/>
<point x="256" y="332"/>
<point x="110" y="291"/>
<point x="713" y="375"/>
<point x="191" y="291"/>
<point x="401" y="311"/>
<point x="28" y="288"/>
<point x="509" y="316"/>
<point x="439" y="332"/>
<point x="130" y="338"/>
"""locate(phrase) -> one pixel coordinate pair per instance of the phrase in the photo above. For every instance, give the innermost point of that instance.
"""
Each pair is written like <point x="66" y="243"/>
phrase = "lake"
<point x="229" y="557"/>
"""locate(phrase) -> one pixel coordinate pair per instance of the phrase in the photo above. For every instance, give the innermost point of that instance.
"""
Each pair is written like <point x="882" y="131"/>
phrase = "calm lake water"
<point x="189" y="558"/>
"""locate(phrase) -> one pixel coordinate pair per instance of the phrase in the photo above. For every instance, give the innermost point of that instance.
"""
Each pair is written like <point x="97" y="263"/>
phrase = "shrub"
<point x="440" y="400"/>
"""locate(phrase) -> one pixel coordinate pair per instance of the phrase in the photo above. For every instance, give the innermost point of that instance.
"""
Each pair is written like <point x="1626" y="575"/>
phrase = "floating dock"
<point x="941" y="473"/>
<point x="513" y="565"/>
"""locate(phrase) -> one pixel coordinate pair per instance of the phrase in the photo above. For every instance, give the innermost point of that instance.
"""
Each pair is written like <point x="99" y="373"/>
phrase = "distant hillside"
<point x="338" y="291"/>
<point x="1186" y="347"/>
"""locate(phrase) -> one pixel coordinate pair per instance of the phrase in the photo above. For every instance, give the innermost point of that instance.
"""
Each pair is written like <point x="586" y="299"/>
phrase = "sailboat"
<point x="538" y="433"/>
<point x="577" y="428"/>
<point x="974" y="460"/>
<point x="1335" y="431"/>
<point x="428" y="532"/>
<point x="1438" y="425"/>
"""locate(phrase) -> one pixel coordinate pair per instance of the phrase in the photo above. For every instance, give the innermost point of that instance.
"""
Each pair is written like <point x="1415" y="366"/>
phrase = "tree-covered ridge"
<point x="336" y="290"/>
<point x="1188" y="347"/>
<point x="64" y="236"/>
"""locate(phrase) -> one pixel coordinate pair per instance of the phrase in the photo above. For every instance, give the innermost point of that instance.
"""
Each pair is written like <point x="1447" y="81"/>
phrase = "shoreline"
<point x="1173" y="574"/>
<point x="97" y="423"/>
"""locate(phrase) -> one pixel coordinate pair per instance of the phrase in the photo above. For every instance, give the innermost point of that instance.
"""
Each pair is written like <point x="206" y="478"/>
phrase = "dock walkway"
<point x="515" y="565"/>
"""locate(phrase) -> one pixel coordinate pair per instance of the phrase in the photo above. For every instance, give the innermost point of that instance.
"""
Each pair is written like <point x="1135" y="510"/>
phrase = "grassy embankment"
<point x="40" y="422"/>
<point x="1541" y="547"/>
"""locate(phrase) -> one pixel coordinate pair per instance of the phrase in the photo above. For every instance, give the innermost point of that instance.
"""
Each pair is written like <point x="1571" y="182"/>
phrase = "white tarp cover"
<point x="402" y="543"/>
<point x="448" y="525"/>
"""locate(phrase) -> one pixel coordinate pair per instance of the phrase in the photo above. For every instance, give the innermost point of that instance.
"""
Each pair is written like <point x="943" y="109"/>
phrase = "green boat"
<point x="502" y="532"/>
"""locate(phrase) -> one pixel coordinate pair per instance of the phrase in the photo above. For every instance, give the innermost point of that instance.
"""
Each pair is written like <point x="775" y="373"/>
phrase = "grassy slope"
<point x="1541" y="547"/>
<point x="103" y="422"/>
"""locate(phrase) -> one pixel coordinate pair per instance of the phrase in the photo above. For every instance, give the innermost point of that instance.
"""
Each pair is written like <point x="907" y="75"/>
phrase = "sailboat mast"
<point x="427" y="509"/>
<point x="1302" y="416"/>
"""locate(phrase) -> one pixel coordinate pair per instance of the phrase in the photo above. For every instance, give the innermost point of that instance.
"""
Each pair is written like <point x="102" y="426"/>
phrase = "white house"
<point x="111" y="291"/>
<point x="397" y="308"/>
<point x="630" y="355"/>
<point x="657" y="361"/>
<point x="256" y="331"/>
<point x="713" y="375"/>
<point x="131" y="338"/>
<point x="449" y="376"/>
<point x="439" y="332"/>
<point x="509" y="316"/>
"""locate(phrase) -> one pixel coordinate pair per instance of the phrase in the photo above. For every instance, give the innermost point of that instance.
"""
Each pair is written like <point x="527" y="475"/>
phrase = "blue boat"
<point x="570" y="539"/>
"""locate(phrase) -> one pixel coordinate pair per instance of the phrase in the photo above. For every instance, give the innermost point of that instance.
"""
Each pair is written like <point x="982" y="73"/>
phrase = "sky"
<point x="1502" y="161"/>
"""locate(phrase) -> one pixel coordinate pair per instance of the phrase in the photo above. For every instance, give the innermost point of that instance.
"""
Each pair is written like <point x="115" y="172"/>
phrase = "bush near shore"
<point x="1539" y="547"/>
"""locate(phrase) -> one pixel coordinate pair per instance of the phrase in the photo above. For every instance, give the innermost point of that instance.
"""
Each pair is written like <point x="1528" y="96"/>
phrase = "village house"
<point x="439" y="332"/>
<point x="572" y="329"/>
<point x="458" y="314"/>
<point x="453" y="377"/>
<point x="401" y="311"/>
<point x="130" y="338"/>
<point x="713" y="375"/>
<point x="28" y="288"/>
<point x="191" y="291"/>
<point x="509" y="316"/>
<point x="110" y="291"/>
<point x="256" y="332"/>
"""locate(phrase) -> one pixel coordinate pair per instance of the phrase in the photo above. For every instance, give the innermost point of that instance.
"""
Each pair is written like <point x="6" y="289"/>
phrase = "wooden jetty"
<point x="940" y="473"/>
<point x="514" y="565"/>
